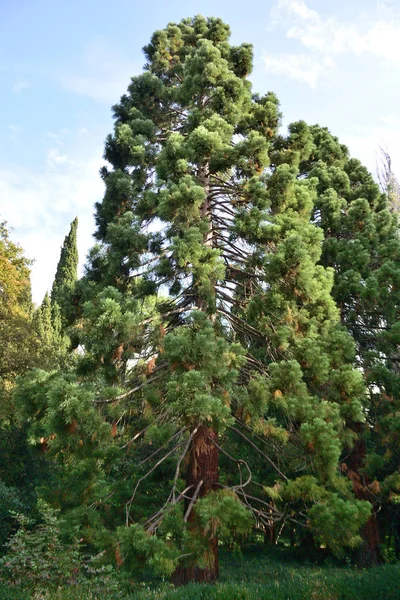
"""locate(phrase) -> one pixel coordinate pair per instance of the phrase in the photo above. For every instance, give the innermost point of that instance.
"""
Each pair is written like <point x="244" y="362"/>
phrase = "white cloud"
<point x="54" y="158"/>
<point x="39" y="206"/>
<point x="333" y="37"/>
<point x="19" y="86"/>
<point x="300" y="67"/>
<point x="328" y="37"/>
<point x="385" y="6"/>
<point x="296" y="8"/>
<point x="104" y="73"/>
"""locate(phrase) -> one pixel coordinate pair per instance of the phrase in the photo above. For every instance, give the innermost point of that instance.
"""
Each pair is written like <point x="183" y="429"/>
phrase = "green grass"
<point x="259" y="574"/>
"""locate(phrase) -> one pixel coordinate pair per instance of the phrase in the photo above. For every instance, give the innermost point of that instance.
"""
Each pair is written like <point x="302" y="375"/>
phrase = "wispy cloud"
<point x="54" y="159"/>
<point x="294" y="8"/>
<point x="300" y="67"/>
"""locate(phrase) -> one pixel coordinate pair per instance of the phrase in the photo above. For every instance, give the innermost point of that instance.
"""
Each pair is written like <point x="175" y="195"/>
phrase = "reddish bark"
<point x="203" y="467"/>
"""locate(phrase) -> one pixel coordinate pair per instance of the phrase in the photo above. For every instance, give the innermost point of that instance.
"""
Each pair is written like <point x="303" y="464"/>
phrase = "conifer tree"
<point x="52" y="342"/>
<point x="362" y="245"/>
<point x="66" y="274"/>
<point x="312" y="371"/>
<point x="202" y="208"/>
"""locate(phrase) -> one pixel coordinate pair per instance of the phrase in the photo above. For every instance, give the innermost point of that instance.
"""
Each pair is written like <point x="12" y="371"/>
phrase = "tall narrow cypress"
<point x="66" y="273"/>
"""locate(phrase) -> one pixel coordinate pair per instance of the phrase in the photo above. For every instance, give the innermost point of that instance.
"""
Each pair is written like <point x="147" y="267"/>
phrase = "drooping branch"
<point x="238" y="461"/>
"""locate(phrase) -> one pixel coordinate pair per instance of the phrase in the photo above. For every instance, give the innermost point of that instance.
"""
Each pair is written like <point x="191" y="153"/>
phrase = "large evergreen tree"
<point x="361" y="244"/>
<point x="202" y="208"/>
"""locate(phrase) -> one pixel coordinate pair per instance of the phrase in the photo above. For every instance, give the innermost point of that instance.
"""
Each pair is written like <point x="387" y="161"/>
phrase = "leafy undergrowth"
<point x="257" y="575"/>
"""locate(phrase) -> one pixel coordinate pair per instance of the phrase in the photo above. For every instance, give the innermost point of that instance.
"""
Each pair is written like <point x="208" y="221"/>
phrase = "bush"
<point x="36" y="558"/>
<point x="9" y="505"/>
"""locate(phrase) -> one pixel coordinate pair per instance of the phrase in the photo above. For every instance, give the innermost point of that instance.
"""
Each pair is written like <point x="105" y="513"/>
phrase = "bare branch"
<point x="131" y="499"/>
<point x="271" y="462"/>
<point x="178" y="464"/>
<point x="193" y="500"/>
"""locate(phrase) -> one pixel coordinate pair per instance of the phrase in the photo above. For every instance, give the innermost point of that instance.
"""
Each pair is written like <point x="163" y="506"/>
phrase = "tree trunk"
<point x="369" y="554"/>
<point x="202" y="475"/>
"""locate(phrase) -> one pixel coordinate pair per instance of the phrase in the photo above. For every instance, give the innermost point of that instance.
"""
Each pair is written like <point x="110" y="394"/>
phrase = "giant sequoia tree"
<point x="205" y="220"/>
<point x="216" y="390"/>
<point x="361" y="243"/>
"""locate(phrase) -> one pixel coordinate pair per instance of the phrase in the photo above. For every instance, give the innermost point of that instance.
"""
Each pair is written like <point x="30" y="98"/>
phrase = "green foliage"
<point x="200" y="387"/>
<point x="10" y="504"/>
<point x="17" y="340"/>
<point x="336" y="523"/>
<point x="41" y="562"/>
<point x="362" y="245"/>
<point x="53" y="344"/>
<point x="222" y="515"/>
<point x="36" y="558"/>
<point x="256" y="575"/>
<point x="66" y="275"/>
<point x="138" y="548"/>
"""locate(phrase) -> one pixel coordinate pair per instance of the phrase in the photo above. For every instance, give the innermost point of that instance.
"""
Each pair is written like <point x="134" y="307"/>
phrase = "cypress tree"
<point x="66" y="274"/>
<point x="52" y="343"/>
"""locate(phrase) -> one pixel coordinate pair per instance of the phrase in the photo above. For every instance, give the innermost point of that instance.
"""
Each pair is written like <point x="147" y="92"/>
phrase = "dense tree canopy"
<point x="18" y="354"/>
<point x="362" y="245"/>
<point x="16" y="333"/>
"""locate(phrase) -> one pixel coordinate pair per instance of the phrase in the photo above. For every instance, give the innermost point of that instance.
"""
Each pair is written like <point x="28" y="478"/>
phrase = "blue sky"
<point x="63" y="64"/>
